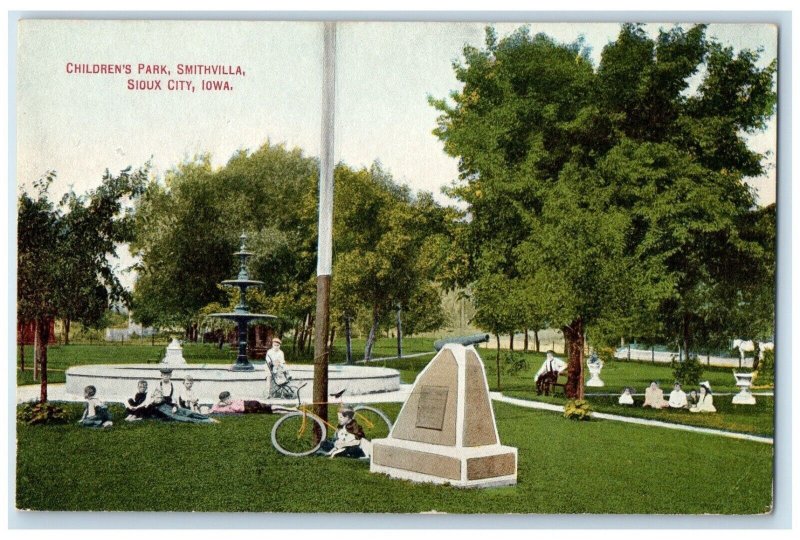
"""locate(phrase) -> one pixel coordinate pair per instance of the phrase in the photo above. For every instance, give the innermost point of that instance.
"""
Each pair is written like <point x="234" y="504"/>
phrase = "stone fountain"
<point x="240" y="314"/>
<point x="243" y="379"/>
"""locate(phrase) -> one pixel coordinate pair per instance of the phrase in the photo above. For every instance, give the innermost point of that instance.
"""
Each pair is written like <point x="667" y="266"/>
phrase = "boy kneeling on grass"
<point x="95" y="412"/>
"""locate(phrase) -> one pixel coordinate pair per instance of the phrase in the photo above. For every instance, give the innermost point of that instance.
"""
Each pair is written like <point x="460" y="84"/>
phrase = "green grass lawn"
<point x="564" y="467"/>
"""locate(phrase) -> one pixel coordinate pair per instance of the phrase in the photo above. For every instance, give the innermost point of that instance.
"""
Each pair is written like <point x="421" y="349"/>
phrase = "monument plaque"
<point x="446" y="431"/>
<point x="431" y="408"/>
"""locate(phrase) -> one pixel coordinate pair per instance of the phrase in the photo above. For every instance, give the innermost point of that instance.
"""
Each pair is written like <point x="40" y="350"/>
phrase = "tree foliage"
<point x="188" y="228"/>
<point x="387" y="241"/>
<point x="614" y="193"/>
<point x="65" y="253"/>
<point x="388" y="244"/>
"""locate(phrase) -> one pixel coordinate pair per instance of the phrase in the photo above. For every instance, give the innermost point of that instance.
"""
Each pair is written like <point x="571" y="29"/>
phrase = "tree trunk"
<point x="686" y="335"/>
<point x="399" y="333"/>
<point x="21" y="341"/>
<point x="372" y="333"/>
<point x="42" y="337"/>
<point x="309" y="332"/>
<point x="296" y="337"/>
<point x="304" y="333"/>
<point x="497" y="361"/>
<point x="511" y="341"/>
<point x="330" y="341"/>
<point x="36" y="347"/>
<point x="66" y="330"/>
<point x="536" y="339"/>
<point x="525" y="344"/>
<point x="348" y="339"/>
<point x="573" y="334"/>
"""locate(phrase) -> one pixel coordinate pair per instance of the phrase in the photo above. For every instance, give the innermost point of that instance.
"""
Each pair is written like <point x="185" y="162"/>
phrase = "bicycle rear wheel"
<point x="374" y="422"/>
<point x="296" y="434"/>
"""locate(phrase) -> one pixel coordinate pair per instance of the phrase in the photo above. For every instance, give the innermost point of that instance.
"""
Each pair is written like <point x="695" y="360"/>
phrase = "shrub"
<point x="42" y="413"/>
<point x="515" y="362"/>
<point x="766" y="369"/>
<point x="577" y="409"/>
<point x="688" y="372"/>
<point x="606" y="354"/>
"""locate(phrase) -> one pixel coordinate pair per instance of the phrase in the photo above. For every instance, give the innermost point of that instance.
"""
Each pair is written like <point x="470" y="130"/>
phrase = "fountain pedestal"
<point x="240" y="314"/>
<point x="744" y="381"/>
<point x="174" y="356"/>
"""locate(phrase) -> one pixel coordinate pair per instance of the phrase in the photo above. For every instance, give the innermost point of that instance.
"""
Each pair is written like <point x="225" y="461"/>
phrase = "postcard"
<point x="396" y="267"/>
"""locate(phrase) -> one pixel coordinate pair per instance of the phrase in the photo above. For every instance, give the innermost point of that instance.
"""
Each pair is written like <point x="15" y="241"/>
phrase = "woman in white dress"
<point x="705" y="401"/>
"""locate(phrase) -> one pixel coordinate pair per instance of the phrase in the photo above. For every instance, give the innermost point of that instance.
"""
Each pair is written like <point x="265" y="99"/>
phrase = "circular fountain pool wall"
<point x="117" y="382"/>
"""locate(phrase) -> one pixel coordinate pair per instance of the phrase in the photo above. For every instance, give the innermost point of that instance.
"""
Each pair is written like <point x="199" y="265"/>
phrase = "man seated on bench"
<point x="547" y="375"/>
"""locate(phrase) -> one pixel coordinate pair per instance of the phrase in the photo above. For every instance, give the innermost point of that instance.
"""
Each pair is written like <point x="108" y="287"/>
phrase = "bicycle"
<point x="300" y="432"/>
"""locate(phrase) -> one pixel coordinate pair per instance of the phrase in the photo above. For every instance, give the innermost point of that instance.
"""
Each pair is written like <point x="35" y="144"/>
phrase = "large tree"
<point x="387" y="243"/>
<point x="65" y="253"/>
<point x="617" y="192"/>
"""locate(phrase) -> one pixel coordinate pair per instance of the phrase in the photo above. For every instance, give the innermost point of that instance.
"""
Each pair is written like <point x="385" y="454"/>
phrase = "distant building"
<point x="26" y="331"/>
<point x="125" y="334"/>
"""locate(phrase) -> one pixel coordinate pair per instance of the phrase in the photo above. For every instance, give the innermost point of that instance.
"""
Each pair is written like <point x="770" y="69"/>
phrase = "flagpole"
<point x="325" y="228"/>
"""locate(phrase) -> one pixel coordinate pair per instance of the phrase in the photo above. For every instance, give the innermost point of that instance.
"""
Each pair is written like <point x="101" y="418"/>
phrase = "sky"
<point x="81" y="124"/>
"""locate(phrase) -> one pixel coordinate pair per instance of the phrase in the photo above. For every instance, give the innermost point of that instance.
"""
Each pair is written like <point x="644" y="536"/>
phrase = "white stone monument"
<point x="595" y="367"/>
<point x="446" y="431"/>
<point x="174" y="356"/>
<point x="744" y="381"/>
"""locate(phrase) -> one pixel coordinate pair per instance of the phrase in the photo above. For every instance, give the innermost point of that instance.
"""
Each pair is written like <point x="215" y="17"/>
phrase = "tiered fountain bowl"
<point x="243" y="379"/>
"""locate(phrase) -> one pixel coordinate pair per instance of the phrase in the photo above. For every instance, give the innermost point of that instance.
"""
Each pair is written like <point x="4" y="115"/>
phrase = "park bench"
<point x="551" y="385"/>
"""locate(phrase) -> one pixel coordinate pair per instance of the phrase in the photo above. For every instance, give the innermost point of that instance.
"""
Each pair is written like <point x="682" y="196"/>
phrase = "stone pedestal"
<point x="446" y="430"/>
<point x="744" y="381"/>
<point x="174" y="356"/>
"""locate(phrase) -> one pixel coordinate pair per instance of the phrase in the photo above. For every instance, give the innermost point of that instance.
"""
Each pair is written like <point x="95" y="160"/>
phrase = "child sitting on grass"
<point x="137" y="405"/>
<point x="349" y="441"/>
<point x="163" y="409"/>
<point x="95" y="412"/>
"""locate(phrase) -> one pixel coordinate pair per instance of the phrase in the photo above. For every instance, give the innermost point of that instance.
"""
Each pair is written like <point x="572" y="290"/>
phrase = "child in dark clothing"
<point x="137" y="408"/>
<point x="349" y="440"/>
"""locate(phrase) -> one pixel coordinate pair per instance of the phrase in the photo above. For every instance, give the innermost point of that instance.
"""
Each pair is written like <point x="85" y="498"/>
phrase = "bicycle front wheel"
<point x="374" y="422"/>
<point x="298" y="434"/>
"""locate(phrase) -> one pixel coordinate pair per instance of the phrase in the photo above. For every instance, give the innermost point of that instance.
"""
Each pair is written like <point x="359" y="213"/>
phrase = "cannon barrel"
<point x="466" y="341"/>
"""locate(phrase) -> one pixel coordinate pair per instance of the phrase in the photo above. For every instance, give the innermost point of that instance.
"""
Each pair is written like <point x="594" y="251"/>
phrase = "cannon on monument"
<point x="466" y="341"/>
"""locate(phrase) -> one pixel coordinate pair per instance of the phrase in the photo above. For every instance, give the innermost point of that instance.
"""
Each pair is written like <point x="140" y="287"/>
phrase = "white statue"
<point x="595" y="365"/>
<point x="743" y="346"/>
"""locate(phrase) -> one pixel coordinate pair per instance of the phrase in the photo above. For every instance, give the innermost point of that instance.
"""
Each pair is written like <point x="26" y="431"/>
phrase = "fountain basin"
<point x="117" y="382"/>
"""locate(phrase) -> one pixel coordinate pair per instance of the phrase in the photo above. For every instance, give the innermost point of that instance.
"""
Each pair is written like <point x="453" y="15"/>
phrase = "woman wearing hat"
<point x="705" y="401"/>
<point x="276" y="364"/>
